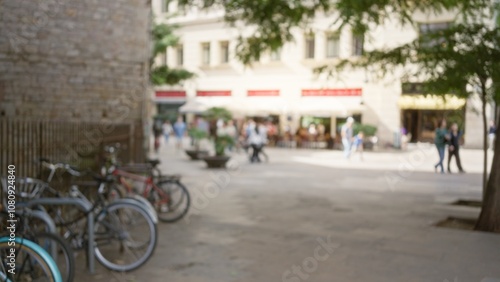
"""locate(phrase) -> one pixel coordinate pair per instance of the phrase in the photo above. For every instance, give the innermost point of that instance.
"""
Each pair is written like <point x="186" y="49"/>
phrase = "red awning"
<point x="170" y="94"/>
<point x="332" y="92"/>
<point x="262" y="93"/>
<point x="213" y="93"/>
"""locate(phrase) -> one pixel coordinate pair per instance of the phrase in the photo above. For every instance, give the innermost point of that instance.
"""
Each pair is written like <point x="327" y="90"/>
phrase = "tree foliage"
<point x="274" y="20"/>
<point x="164" y="75"/>
<point x="164" y="37"/>
<point x="215" y="113"/>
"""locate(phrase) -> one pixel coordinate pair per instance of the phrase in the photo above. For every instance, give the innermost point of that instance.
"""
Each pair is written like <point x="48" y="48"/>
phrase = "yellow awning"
<point x="430" y="102"/>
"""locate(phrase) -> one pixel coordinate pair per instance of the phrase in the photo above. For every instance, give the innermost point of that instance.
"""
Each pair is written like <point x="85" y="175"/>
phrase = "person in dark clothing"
<point x="256" y="140"/>
<point x="491" y="134"/>
<point x="440" y="141"/>
<point x="157" y="132"/>
<point x="453" y="148"/>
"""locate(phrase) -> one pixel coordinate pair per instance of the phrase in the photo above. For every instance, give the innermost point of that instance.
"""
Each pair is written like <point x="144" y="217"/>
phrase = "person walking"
<point x="232" y="131"/>
<point x="157" y="132"/>
<point x="167" y="130"/>
<point x="264" y="132"/>
<point x="179" y="130"/>
<point x="440" y="141"/>
<point x="357" y="145"/>
<point x="256" y="141"/>
<point x="346" y="132"/>
<point x="491" y="134"/>
<point x="453" y="148"/>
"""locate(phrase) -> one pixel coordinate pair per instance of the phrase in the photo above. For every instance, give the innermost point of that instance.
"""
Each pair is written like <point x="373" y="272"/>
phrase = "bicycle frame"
<point x="147" y="180"/>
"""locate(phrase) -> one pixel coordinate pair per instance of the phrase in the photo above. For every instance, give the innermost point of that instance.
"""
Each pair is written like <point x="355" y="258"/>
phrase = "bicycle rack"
<point x="84" y="206"/>
<point x="39" y="214"/>
<point x="43" y="216"/>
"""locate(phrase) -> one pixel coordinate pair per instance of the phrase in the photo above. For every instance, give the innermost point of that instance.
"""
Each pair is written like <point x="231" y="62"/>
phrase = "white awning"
<point x="328" y="106"/>
<point x="201" y="104"/>
<point x="262" y="106"/>
<point x="193" y="107"/>
<point x="430" y="102"/>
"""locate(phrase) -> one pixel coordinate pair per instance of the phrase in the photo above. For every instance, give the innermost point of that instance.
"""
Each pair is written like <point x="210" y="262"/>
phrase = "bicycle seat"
<point x="153" y="162"/>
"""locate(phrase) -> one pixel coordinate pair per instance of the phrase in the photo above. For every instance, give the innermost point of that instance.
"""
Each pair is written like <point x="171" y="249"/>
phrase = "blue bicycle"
<point x="23" y="260"/>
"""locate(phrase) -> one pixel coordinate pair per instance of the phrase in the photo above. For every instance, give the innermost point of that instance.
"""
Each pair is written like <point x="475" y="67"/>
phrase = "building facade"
<point x="73" y="76"/>
<point x="283" y="85"/>
<point x="74" y="60"/>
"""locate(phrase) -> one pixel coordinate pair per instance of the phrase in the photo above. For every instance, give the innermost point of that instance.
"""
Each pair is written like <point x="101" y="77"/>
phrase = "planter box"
<point x="216" y="161"/>
<point x="197" y="154"/>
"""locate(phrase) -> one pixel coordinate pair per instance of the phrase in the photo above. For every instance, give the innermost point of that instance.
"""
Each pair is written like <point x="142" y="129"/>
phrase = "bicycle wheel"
<point x="117" y="191"/>
<point x="125" y="236"/>
<point x="60" y="251"/>
<point x="171" y="200"/>
<point x="31" y="262"/>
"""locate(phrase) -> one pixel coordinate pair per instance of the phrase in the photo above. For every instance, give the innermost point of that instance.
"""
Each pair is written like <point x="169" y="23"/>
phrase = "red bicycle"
<point x="167" y="195"/>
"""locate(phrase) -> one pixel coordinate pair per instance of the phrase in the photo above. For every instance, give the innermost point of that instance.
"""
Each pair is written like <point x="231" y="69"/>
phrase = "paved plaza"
<point x="311" y="215"/>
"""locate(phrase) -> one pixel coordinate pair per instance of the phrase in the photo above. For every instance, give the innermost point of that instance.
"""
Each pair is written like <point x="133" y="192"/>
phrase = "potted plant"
<point x="220" y="159"/>
<point x="197" y="135"/>
<point x="221" y="140"/>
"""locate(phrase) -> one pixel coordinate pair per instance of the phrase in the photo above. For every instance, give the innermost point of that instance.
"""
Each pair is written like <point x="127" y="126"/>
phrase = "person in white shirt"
<point x="167" y="130"/>
<point x="347" y="133"/>
<point x="256" y="139"/>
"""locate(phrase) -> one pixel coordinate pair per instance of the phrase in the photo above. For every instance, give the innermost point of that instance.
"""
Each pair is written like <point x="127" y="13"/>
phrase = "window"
<point x="276" y="55"/>
<point x="358" y="42"/>
<point x="429" y="29"/>
<point x="224" y="52"/>
<point x="205" y="54"/>
<point x="332" y="45"/>
<point x="164" y="6"/>
<point x="433" y="27"/>
<point x="310" y="46"/>
<point x="180" y="55"/>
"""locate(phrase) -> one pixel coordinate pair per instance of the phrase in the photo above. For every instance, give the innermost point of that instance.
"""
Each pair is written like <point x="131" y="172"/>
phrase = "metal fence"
<point x="22" y="142"/>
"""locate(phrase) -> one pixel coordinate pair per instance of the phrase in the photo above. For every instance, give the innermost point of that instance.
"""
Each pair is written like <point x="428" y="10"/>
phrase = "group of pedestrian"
<point x="451" y="138"/>
<point x="351" y="143"/>
<point x="165" y="129"/>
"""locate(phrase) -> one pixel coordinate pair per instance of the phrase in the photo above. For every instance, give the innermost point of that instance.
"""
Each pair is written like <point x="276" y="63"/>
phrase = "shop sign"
<point x="332" y="92"/>
<point x="262" y="93"/>
<point x="170" y="94"/>
<point x="213" y="93"/>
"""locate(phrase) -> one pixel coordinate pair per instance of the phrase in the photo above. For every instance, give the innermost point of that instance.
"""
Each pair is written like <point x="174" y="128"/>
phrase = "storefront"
<point x="168" y="103"/>
<point x="421" y="114"/>
<point x="322" y="110"/>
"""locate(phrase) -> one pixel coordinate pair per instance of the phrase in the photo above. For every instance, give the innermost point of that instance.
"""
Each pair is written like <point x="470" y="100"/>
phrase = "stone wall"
<point x="74" y="60"/>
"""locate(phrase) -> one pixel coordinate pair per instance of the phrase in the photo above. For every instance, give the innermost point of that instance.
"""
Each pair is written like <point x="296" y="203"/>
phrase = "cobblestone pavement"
<point x="310" y="215"/>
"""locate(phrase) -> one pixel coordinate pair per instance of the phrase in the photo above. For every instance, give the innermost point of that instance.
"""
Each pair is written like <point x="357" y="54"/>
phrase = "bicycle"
<point x="169" y="197"/>
<point x="124" y="234"/>
<point x="28" y="262"/>
<point x="112" y="194"/>
<point x="59" y="249"/>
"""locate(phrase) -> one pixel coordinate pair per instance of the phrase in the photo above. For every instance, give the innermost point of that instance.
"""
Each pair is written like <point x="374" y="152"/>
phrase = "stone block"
<point x="71" y="54"/>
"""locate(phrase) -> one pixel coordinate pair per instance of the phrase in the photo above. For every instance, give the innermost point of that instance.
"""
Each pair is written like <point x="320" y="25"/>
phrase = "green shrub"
<point x="368" y="129"/>
<point x="221" y="143"/>
<point x="216" y="113"/>
<point x="197" y="135"/>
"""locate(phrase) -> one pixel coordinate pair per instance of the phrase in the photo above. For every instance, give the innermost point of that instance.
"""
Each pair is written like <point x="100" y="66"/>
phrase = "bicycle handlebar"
<point x="53" y="167"/>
